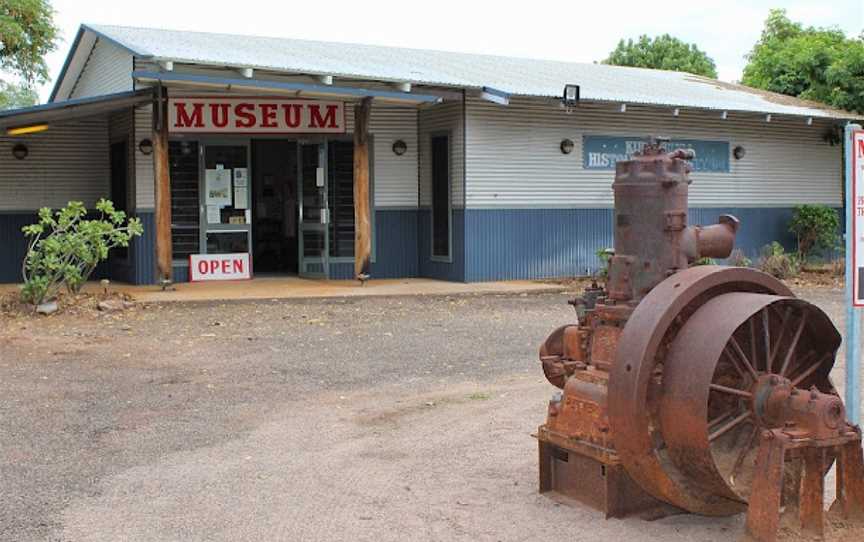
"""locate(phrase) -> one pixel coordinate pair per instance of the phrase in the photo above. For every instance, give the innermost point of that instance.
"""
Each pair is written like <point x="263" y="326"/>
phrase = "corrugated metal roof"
<point x="517" y="76"/>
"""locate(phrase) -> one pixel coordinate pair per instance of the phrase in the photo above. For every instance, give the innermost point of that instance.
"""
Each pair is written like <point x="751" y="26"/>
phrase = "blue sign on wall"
<point x="601" y="152"/>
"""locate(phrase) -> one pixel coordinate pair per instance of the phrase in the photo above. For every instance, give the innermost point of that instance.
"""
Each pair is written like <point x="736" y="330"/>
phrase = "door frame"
<point x="204" y="226"/>
<point x="323" y="225"/>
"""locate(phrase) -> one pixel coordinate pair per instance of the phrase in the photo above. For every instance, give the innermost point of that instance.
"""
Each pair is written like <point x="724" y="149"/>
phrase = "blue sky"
<point x="576" y="31"/>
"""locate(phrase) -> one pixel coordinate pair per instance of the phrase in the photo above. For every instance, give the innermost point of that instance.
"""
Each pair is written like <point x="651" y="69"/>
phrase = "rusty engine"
<point x="694" y="388"/>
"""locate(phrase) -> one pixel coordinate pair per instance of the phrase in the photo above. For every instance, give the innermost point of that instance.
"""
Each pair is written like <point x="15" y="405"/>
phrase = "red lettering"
<point x="268" y="116"/>
<point x="184" y="120"/>
<point x="215" y="110"/>
<point x="238" y="266"/>
<point x="245" y="117"/>
<point x="292" y="114"/>
<point x="214" y="266"/>
<point x="861" y="148"/>
<point x="315" y="120"/>
<point x="202" y="267"/>
<point x="226" y="266"/>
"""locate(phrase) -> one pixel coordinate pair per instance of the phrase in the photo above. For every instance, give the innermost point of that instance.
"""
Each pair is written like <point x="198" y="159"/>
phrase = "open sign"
<point x="219" y="267"/>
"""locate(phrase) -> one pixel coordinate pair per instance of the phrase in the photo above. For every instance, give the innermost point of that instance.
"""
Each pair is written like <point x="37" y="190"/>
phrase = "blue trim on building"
<point x="512" y="244"/>
<point x="488" y="244"/>
<point x="143" y="250"/>
<point x="14" y="248"/>
<point x="454" y="270"/>
<point x="13" y="243"/>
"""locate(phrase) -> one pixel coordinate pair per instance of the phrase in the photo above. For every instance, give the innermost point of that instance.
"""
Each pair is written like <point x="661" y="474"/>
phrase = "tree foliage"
<point x="27" y="34"/>
<point x="13" y="96"/>
<point x="817" y="226"/>
<point x="820" y="64"/>
<point x="65" y="247"/>
<point x="663" y="53"/>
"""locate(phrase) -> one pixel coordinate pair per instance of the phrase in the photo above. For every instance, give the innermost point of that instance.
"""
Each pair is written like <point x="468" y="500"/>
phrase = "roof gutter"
<point x="295" y="89"/>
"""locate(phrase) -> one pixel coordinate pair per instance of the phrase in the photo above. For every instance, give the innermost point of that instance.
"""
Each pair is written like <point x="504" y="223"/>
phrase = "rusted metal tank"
<point x="693" y="388"/>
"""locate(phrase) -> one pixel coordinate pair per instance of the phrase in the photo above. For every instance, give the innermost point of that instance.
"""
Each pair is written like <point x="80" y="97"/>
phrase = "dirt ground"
<point x="355" y="419"/>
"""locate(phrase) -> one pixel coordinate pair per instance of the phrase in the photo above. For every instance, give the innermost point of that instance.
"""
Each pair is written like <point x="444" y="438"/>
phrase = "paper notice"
<point x="213" y="214"/>
<point x="240" y="199"/>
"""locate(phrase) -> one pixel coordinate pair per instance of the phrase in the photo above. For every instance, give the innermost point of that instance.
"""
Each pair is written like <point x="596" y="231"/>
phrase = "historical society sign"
<point x="602" y="152"/>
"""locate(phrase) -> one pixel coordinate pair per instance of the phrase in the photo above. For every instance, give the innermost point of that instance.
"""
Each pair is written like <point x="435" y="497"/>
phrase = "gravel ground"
<point x="358" y="419"/>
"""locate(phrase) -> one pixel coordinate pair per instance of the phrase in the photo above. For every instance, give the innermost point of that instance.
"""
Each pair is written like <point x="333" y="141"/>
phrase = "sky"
<point x="571" y="31"/>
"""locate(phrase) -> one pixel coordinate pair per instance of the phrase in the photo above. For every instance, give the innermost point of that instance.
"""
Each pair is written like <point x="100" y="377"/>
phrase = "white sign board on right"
<point x="858" y="218"/>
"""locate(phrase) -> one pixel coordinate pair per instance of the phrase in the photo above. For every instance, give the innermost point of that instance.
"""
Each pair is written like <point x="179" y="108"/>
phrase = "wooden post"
<point x="162" y="181"/>
<point x="362" y="222"/>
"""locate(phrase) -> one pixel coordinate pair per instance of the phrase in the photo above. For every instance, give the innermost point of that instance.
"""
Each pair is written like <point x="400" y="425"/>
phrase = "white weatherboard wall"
<point x="514" y="159"/>
<point x="70" y="161"/>
<point x="108" y="70"/>
<point x="394" y="177"/>
<point x="442" y="119"/>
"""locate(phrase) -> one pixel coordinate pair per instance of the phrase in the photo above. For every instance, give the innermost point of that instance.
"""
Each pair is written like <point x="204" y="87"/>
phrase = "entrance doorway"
<point x="275" y="205"/>
<point x="291" y="221"/>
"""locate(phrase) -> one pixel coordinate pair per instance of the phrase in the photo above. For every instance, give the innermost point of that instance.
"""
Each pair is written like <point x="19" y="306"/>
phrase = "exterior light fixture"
<point x="20" y="151"/>
<point x="399" y="147"/>
<point x="23" y="130"/>
<point x="146" y="147"/>
<point x="738" y="152"/>
<point x="571" y="95"/>
<point x="567" y="146"/>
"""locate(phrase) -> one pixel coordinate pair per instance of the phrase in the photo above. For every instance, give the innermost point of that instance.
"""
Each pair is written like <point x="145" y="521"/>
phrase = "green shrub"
<point x="817" y="227"/>
<point x="65" y="247"/>
<point x="604" y="255"/>
<point x="705" y="261"/>
<point x="777" y="262"/>
<point x="738" y="259"/>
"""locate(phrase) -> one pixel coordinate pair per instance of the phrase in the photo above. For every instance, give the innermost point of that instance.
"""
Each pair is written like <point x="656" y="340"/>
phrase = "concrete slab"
<point x="298" y="288"/>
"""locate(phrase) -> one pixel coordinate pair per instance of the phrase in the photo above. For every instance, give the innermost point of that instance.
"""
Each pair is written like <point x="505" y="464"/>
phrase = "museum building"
<point x="479" y="167"/>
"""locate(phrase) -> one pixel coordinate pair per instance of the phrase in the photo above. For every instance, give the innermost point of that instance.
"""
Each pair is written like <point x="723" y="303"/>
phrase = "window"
<point x="183" y="160"/>
<point x="441" y="196"/>
<point x="119" y="187"/>
<point x="341" y="198"/>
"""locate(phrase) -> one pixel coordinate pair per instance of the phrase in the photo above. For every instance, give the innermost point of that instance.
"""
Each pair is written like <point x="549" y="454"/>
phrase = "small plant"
<point x="705" y="261"/>
<point x="604" y="255"/>
<point x="65" y="247"/>
<point x="816" y="226"/>
<point x="777" y="262"/>
<point x="738" y="259"/>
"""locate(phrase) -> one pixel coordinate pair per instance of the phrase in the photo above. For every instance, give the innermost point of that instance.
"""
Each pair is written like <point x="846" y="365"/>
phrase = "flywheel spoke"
<point x="793" y="345"/>
<point x="732" y="391"/>
<point x="739" y="461"/>
<point x="812" y="369"/>
<point x="743" y="357"/>
<point x="725" y="428"/>
<point x="784" y="322"/>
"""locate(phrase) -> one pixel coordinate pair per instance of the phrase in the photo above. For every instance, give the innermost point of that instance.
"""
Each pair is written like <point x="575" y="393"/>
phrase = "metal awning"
<point x="303" y="90"/>
<point x="73" y="109"/>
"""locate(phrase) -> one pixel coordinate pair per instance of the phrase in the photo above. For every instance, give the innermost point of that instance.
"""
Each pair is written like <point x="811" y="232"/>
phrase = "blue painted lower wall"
<point x="510" y="244"/>
<point x="488" y="244"/>
<point x="13" y="247"/>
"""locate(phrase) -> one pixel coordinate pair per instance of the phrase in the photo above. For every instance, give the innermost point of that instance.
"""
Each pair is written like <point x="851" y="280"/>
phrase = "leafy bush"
<point x="604" y="255"/>
<point x="65" y="247"/>
<point x="705" y="261"/>
<point x="738" y="259"/>
<point x="817" y="226"/>
<point x="777" y="262"/>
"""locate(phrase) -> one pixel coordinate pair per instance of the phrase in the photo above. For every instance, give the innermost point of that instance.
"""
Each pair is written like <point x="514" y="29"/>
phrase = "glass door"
<point x="225" y="210"/>
<point x="314" y="243"/>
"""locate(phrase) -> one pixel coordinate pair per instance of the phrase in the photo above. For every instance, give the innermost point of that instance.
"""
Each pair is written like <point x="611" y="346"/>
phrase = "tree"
<point x="27" y="34"/>
<point x="819" y="64"/>
<point x="663" y="53"/>
<point x="13" y="96"/>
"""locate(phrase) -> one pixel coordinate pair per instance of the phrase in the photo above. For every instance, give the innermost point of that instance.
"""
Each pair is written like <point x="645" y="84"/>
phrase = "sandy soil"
<point x="376" y="419"/>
